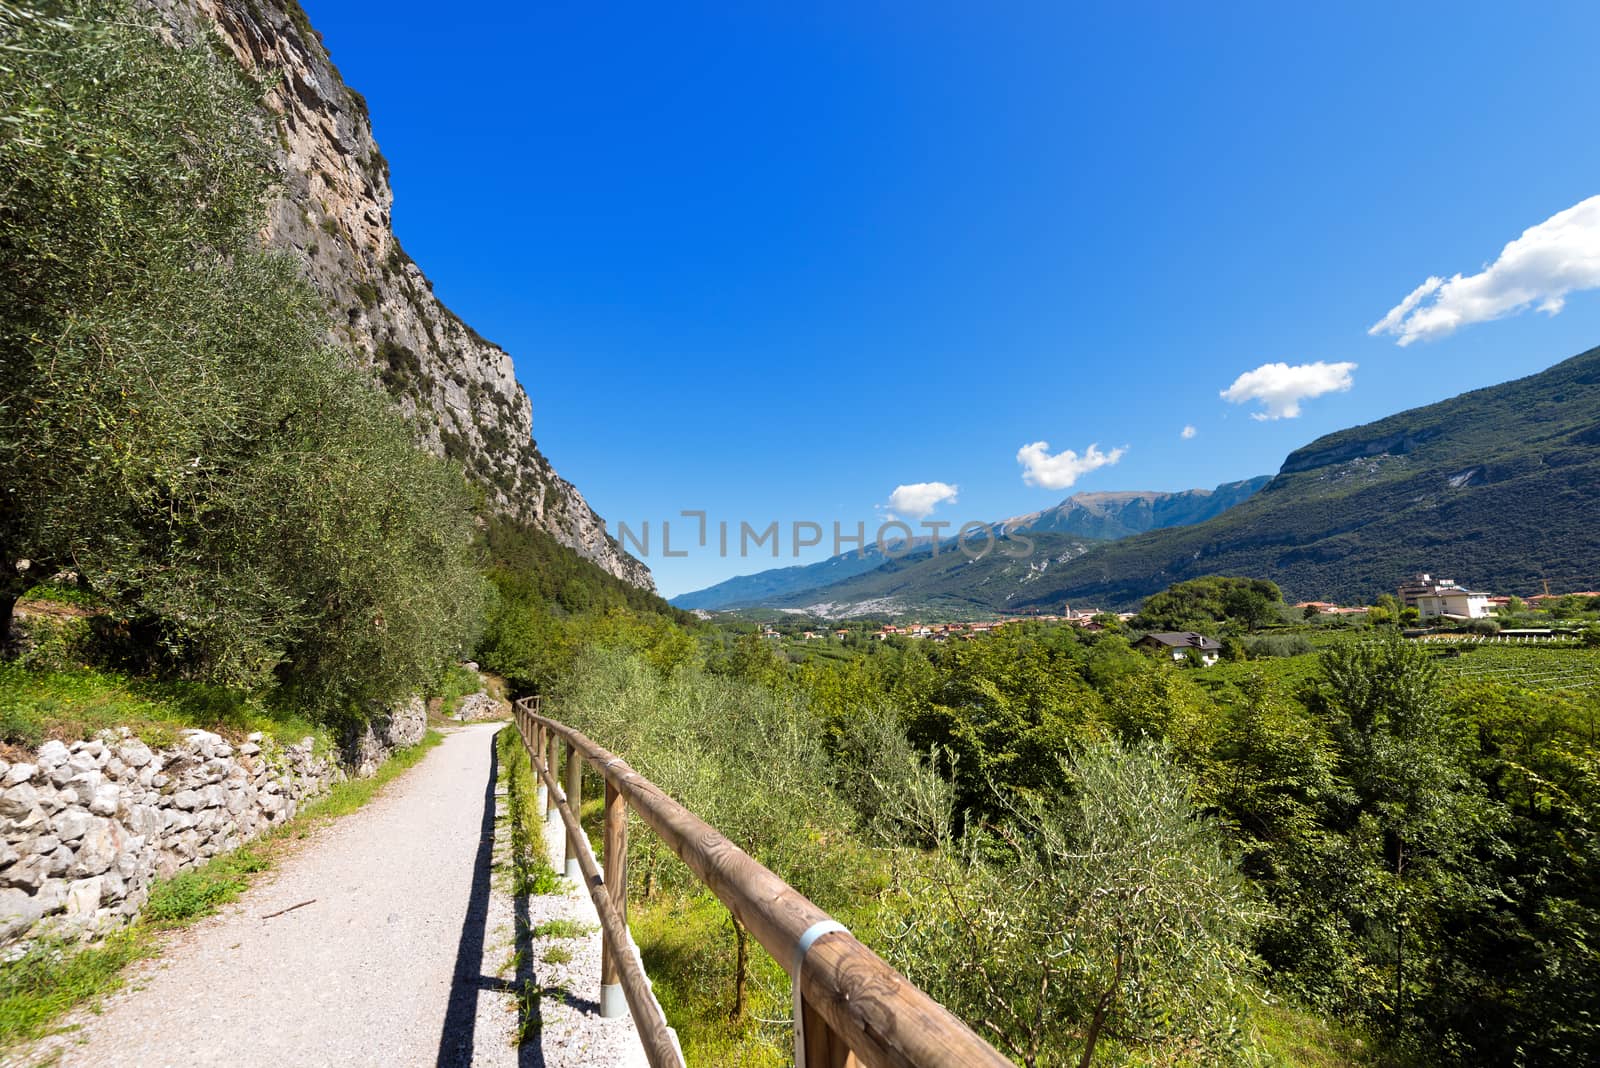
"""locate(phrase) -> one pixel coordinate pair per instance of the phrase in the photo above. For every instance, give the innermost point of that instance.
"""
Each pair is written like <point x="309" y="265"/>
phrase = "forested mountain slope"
<point x="920" y="579"/>
<point x="781" y="583"/>
<point x="1496" y="488"/>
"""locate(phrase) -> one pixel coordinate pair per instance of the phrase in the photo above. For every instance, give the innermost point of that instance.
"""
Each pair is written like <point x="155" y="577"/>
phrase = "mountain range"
<point x="1496" y="488"/>
<point x="1111" y="515"/>
<point x="1064" y="531"/>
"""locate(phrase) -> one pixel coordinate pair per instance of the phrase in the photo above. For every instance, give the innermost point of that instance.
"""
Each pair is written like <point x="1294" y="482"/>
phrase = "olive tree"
<point x="173" y="425"/>
<point x="748" y="760"/>
<point x="1110" y="914"/>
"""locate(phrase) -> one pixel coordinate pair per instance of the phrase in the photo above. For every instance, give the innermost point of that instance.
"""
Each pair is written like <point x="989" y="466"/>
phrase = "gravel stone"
<point x="53" y="754"/>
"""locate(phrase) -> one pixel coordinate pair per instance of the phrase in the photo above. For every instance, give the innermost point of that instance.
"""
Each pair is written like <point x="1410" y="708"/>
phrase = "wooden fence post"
<point x="575" y="803"/>
<point x="541" y="795"/>
<point x="616" y="879"/>
<point x="822" y="1047"/>
<point x="850" y="1008"/>
<point x="552" y="764"/>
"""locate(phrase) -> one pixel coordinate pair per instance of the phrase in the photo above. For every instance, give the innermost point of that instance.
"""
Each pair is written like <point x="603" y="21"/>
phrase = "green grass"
<point x="1548" y="668"/>
<point x="63" y="593"/>
<point x="72" y="705"/>
<point x="687" y="944"/>
<point x="557" y="955"/>
<point x="190" y="895"/>
<point x="562" y="928"/>
<point x="1301" y="1039"/>
<point x="55" y="976"/>
<point x="1289" y="672"/>
<point x="531" y="873"/>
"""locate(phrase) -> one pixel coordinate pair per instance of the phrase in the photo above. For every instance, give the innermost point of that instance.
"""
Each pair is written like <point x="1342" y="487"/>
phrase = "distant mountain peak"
<point x="1112" y="514"/>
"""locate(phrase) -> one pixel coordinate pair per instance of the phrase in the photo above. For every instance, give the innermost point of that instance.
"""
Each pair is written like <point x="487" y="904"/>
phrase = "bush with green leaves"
<point x="173" y="424"/>
<point x="1204" y="603"/>
<point x="1110" y="915"/>
<point x="749" y="761"/>
<point x="1259" y="645"/>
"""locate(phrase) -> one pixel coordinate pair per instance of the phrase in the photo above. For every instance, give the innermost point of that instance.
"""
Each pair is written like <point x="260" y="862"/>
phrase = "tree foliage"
<point x="173" y="426"/>
<point x="1205" y="604"/>
<point x="1111" y="915"/>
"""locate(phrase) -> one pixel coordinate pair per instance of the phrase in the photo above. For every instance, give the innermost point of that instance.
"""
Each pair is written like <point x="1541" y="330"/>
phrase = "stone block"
<point x="83" y="899"/>
<point x="19" y="773"/>
<point x="53" y="754"/>
<point x="18" y="801"/>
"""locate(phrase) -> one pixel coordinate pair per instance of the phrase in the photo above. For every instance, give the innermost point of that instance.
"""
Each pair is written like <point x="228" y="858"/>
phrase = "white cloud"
<point x="1558" y="256"/>
<point x="1188" y="432"/>
<point x="919" y="499"/>
<point x="1039" y="468"/>
<point x="1280" y="388"/>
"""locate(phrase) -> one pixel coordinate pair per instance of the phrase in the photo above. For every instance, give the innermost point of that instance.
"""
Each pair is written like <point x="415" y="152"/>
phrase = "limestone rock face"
<point x="332" y="213"/>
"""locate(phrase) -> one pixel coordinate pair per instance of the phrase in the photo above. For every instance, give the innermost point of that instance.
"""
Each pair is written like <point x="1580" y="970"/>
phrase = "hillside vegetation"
<point x="220" y="493"/>
<point x="1085" y="850"/>
<point x="174" y="431"/>
<point x="1495" y="488"/>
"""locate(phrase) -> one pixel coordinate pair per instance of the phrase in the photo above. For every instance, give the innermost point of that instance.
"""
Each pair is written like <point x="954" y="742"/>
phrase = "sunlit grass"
<point x="72" y="705"/>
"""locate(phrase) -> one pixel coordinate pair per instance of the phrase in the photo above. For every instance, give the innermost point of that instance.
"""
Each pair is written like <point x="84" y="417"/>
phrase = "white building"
<point x="1178" y="644"/>
<point x="1446" y="599"/>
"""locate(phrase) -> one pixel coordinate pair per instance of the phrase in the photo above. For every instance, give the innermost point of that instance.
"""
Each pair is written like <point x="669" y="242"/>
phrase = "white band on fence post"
<point x="802" y="947"/>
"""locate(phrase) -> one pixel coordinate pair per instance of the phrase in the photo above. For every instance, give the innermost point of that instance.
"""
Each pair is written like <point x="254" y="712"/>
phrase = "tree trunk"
<point x="1102" y="1010"/>
<point x="740" y="969"/>
<point x="1399" y="934"/>
<point x="9" y="595"/>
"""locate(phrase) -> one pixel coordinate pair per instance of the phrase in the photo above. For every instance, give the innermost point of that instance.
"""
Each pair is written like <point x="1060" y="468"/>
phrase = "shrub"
<point x="1147" y="921"/>
<point x="192" y="894"/>
<point x="1261" y="645"/>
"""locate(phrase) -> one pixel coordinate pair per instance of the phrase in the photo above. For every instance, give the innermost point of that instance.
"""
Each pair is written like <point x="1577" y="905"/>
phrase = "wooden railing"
<point x="851" y="1008"/>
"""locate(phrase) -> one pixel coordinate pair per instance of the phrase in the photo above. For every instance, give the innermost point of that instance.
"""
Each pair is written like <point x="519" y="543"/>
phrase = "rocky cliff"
<point x="332" y="211"/>
<point x="1122" y="514"/>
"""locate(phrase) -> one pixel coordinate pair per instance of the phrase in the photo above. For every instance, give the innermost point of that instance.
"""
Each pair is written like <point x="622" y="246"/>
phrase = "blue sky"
<point x="774" y="261"/>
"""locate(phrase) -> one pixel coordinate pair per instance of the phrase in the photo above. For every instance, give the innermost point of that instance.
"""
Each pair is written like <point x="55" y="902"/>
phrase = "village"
<point x="1431" y="608"/>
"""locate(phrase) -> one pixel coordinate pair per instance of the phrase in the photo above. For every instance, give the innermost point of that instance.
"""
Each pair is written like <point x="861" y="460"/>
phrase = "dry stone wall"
<point x="86" y="828"/>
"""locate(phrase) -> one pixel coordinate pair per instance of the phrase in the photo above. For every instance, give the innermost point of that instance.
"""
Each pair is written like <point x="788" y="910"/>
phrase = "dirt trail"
<point x="405" y="955"/>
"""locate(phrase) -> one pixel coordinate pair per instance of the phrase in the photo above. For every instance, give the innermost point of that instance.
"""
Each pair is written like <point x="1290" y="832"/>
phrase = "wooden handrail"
<point x="624" y="968"/>
<point x="852" y="1007"/>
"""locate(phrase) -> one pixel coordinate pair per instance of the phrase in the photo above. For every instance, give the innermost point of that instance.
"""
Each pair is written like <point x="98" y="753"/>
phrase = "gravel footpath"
<point x="405" y="955"/>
